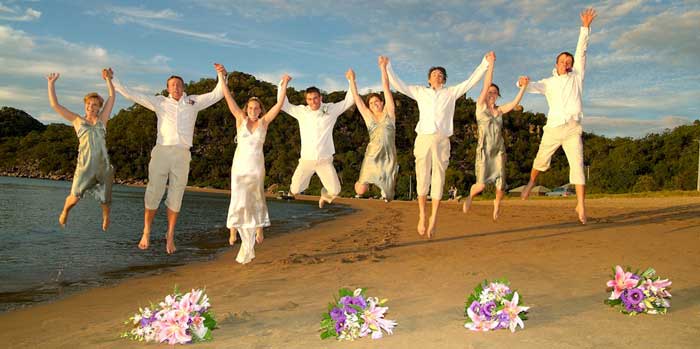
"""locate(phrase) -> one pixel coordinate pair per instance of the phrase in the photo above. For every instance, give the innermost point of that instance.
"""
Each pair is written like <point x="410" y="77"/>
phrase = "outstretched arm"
<point x="335" y="109"/>
<point x="488" y="78"/>
<point x="109" y="104"/>
<point x="148" y="102"/>
<point x="208" y="99"/>
<point x="53" y="100"/>
<point x="237" y="113"/>
<point x="361" y="107"/>
<point x="410" y="91"/>
<point x="466" y="85"/>
<point x="587" y="17"/>
<point x="523" y="81"/>
<point x="275" y="110"/>
<point x="389" y="104"/>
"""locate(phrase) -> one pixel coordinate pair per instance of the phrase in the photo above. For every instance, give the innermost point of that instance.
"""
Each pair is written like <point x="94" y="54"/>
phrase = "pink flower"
<point x="480" y="322"/>
<point x="374" y="320"/>
<point x="173" y="332"/>
<point x="623" y="281"/>
<point x="657" y="287"/>
<point x="512" y="309"/>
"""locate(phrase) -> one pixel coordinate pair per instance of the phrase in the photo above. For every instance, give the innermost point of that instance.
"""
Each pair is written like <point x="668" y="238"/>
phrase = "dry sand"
<point x="559" y="267"/>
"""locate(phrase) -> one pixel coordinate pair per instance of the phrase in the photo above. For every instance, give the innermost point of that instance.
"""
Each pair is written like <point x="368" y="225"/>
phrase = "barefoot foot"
<point x="232" y="236"/>
<point x="581" y="212"/>
<point x="496" y="209"/>
<point x="526" y="192"/>
<point x="105" y="223"/>
<point x="467" y="204"/>
<point x="431" y="226"/>
<point x="145" y="241"/>
<point x="170" y="243"/>
<point x="259" y="236"/>
<point x="421" y="225"/>
<point x="62" y="219"/>
<point x="321" y="202"/>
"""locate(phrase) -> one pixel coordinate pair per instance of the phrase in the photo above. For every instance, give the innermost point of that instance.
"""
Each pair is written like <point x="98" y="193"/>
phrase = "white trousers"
<point x="432" y="154"/>
<point x="326" y="173"/>
<point x="567" y="136"/>
<point x="169" y="164"/>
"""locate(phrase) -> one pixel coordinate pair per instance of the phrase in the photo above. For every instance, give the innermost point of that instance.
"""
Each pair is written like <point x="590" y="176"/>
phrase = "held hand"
<point x="490" y="57"/>
<point x="350" y="75"/>
<point x="587" y="17"/>
<point x="383" y="61"/>
<point x="286" y="78"/>
<point x="107" y="74"/>
<point x="52" y="77"/>
<point x="523" y="81"/>
<point x="220" y="69"/>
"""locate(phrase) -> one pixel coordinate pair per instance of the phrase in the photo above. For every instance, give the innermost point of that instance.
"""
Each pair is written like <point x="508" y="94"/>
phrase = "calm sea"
<point x="39" y="261"/>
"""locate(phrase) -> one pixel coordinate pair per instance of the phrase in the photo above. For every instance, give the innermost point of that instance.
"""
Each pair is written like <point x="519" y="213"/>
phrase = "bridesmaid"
<point x="379" y="166"/>
<point x="247" y="212"/>
<point x="490" y="149"/>
<point x="93" y="173"/>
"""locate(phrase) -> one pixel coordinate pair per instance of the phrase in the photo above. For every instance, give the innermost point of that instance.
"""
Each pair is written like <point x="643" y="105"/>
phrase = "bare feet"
<point x="145" y="240"/>
<point x="259" y="236"/>
<point x="62" y="219"/>
<point x="496" y="209"/>
<point x="526" y="192"/>
<point x="467" y="204"/>
<point x="170" y="243"/>
<point x="581" y="211"/>
<point x="431" y="226"/>
<point x="232" y="236"/>
<point x="321" y="202"/>
<point x="105" y="217"/>
<point x="421" y="225"/>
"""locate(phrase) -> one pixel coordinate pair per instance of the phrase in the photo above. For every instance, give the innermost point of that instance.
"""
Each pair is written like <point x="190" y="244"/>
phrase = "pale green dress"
<point x="93" y="173"/>
<point x="379" y="166"/>
<point x="490" y="150"/>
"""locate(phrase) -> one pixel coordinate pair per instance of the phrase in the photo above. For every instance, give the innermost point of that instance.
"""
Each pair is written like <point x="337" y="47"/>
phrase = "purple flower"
<point x="357" y="301"/>
<point x="503" y="320"/>
<point x="475" y="307"/>
<point x="337" y="315"/>
<point x="632" y="296"/>
<point x="488" y="309"/>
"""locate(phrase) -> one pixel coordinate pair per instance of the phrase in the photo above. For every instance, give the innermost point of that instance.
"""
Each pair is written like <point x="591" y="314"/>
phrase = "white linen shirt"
<point x="564" y="92"/>
<point x="316" y="126"/>
<point x="176" y="119"/>
<point x="436" y="107"/>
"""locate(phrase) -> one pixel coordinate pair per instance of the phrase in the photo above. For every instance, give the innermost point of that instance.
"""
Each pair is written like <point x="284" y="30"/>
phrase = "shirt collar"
<point x="183" y="98"/>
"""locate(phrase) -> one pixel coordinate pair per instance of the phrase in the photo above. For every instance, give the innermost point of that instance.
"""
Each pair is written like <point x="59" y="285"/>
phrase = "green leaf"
<point x="209" y="321"/>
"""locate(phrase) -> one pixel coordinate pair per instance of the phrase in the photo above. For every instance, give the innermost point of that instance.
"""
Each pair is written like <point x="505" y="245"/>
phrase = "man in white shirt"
<point x="170" y="158"/>
<point x="316" y="121"/>
<point x="563" y="129"/>
<point x="436" y="105"/>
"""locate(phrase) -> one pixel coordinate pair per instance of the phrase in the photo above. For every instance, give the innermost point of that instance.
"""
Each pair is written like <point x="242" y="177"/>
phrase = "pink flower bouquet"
<point x="354" y="315"/>
<point x="636" y="293"/>
<point x="494" y="306"/>
<point x="178" y="319"/>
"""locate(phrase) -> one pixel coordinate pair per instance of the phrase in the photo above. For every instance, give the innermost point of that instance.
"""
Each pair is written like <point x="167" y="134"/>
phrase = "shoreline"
<point x="558" y="266"/>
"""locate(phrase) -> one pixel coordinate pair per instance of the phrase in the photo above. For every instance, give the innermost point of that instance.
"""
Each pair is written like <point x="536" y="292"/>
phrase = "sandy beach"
<point x="558" y="266"/>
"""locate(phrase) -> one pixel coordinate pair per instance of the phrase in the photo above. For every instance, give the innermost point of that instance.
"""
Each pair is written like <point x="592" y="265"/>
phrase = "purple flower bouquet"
<point x="178" y="319"/>
<point x="636" y="293"/>
<point x="354" y="315"/>
<point x="494" y="306"/>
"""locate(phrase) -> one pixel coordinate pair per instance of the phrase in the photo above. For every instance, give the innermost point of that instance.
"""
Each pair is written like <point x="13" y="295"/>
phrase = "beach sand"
<point x="558" y="266"/>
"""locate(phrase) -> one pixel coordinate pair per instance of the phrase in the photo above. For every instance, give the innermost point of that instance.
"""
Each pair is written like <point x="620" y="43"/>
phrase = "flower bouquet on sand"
<point x="636" y="293"/>
<point x="178" y="319"/>
<point x="353" y="315"/>
<point x="493" y="306"/>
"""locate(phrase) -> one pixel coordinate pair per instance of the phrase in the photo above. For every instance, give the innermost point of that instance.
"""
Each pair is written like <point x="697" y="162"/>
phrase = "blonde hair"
<point x="93" y="95"/>
<point x="260" y="103"/>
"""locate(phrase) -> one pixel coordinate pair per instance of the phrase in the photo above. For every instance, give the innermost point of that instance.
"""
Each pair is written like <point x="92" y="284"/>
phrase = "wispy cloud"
<point x="16" y="14"/>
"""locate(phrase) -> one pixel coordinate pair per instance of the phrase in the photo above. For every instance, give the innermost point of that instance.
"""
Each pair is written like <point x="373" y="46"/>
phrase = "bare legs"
<point x="71" y="201"/>
<point x="580" y="195"/>
<point x="360" y="188"/>
<point x="432" y="221"/>
<point x="232" y="236"/>
<point x="422" y="199"/>
<point x="497" y="203"/>
<point x="259" y="236"/>
<point x="170" y="235"/>
<point x="105" y="216"/>
<point x="475" y="190"/>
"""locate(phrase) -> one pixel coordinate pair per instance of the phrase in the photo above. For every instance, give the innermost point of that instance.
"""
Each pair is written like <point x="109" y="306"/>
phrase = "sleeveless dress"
<point x="248" y="209"/>
<point x="379" y="166"/>
<point x="93" y="173"/>
<point x="490" y="150"/>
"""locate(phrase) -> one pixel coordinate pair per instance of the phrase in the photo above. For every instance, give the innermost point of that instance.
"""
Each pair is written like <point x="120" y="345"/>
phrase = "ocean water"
<point x="40" y="261"/>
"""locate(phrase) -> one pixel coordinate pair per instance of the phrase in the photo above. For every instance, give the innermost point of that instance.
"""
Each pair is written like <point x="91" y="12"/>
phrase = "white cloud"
<point x="274" y="77"/>
<point x="10" y="95"/>
<point x="630" y="126"/>
<point x="17" y="15"/>
<point x="139" y="12"/>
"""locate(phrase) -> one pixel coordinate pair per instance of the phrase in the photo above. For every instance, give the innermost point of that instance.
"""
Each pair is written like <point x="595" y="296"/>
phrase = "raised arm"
<point x="389" y="104"/>
<point x="466" y="85"/>
<point x="361" y="107"/>
<point x="53" y="100"/>
<point x="523" y="81"/>
<point x="335" y="109"/>
<point x="488" y="78"/>
<point x="148" y="102"/>
<point x="206" y="100"/>
<point x="410" y="91"/>
<point x="107" y="74"/>
<point x="587" y="17"/>
<point x="293" y="110"/>
<point x="236" y="111"/>
<point x="275" y="110"/>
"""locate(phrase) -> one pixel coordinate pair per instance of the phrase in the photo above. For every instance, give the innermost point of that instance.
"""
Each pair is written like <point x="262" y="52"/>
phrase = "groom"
<point x="316" y="121"/>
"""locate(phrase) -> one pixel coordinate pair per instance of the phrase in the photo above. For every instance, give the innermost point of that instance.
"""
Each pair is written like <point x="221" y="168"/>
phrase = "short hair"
<point x="565" y="54"/>
<point x="372" y="95"/>
<point x="444" y="72"/>
<point x="312" y="89"/>
<point x="497" y="89"/>
<point x="93" y="95"/>
<point x="260" y="103"/>
<point x="174" y="77"/>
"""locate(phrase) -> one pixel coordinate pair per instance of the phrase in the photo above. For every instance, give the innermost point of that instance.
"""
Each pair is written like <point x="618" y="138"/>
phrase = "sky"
<point x="642" y="73"/>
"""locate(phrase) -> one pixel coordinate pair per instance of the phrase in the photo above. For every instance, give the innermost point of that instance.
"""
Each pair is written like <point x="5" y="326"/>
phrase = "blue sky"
<point x="641" y="77"/>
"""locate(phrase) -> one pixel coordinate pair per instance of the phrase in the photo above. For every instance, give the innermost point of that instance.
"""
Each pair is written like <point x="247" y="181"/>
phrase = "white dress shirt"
<point x="176" y="119"/>
<point x="564" y="92"/>
<point x="316" y="126"/>
<point x="436" y="107"/>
